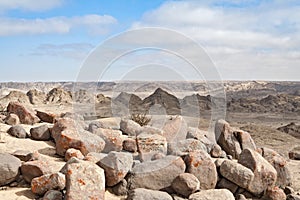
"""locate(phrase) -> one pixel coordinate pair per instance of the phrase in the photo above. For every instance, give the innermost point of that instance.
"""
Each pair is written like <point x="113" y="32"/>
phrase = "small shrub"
<point x="140" y="118"/>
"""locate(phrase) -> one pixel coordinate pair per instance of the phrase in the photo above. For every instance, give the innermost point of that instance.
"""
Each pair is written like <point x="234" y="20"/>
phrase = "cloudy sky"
<point x="246" y="40"/>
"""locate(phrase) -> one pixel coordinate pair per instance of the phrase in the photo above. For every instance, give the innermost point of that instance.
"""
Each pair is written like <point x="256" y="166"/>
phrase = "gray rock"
<point x="200" y="164"/>
<point x="217" y="152"/>
<point x="40" y="185"/>
<point x="144" y="194"/>
<point x="9" y="168"/>
<point x="116" y="166"/>
<point x="236" y="173"/>
<point x="226" y="184"/>
<point x="53" y="195"/>
<point x="113" y="139"/>
<point x="17" y="131"/>
<point x="264" y="173"/>
<point x="226" y="139"/>
<point x="245" y="139"/>
<point x="186" y="184"/>
<point x="121" y="188"/>
<point x="156" y="175"/>
<point x="183" y="147"/>
<point x="215" y="194"/>
<point x="40" y="133"/>
<point x="200" y="135"/>
<point x="152" y="130"/>
<point x="175" y="129"/>
<point x="130" y="127"/>
<point x="12" y="119"/>
<point x="85" y="180"/>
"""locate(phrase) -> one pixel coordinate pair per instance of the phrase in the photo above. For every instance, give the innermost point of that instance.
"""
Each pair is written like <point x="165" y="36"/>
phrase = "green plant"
<point x="140" y="118"/>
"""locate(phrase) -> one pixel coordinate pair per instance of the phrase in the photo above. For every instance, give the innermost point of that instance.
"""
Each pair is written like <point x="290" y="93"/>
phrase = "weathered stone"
<point x="40" y="133"/>
<point x="219" y="194"/>
<point x="121" y="188"/>
<point x="157" y="156"/>
<point x="200" y="135"/>
<point x="113" y="139"/>
<point x="143" y="194"/>
<point x="23" y="155"/>
<point x="280" y="165"/>
<point x="26" y="116"/>
<point x="294" y="154"/>
<point x="73" y="153"/>
<point x="129" y="144"/>
<point x="17" y="131"/>
<point x="226" y="184"/>
<point x="67" y="135"/>
<point x="116" y="166"/>
<point x="9" y="168"/>
<point x="106" y="123"/>
<point x="186" y="184"/>
<point x="200" y="164"/>
<point x="236" y="173"/>
<point x="226" y="139"/>
<point x="217" y="152"/>
<point x="46" y="116"/>
<point x="94" y="157"/>
<point x="175" y="129"/>
<point x="264" y="173"/>
<point x="275" y="193"/>
<point x="149" y="144"/>
<point x="245" y="139"/>
<point x="130" y="127"/>
<point x="85" y="180"/>
<point x="156" y="175"/>
<point x="40" y="185"/>
<point x="293" y="197"/>
<point x="34" y="169"/>
<point x="53" y="195"/>
<point x="12" y="119"/>
<point x="183" y="147"/>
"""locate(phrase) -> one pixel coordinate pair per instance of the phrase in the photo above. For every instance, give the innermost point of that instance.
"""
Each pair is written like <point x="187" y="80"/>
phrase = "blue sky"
<point x="247" y="39"/>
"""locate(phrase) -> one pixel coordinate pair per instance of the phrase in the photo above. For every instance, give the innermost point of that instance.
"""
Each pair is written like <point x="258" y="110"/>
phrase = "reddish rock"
<point x="46" y="117"/>
<point x="245" y="139"/>
<point x="67" y="135"/>
<point x="73" y="153"/>
<point x="40" y="185"/>
<point x="34" y="169"/>
<point x="113" y="139"/>
<point x="275" y="193"/>
<point x="26" y="116"/>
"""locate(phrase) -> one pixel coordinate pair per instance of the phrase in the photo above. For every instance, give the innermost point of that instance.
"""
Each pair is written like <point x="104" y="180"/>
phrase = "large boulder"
<point x="85" y="180"/>
<point x="40" y="185"/>
<point x="9" y="168"/>
<point x="215" y="194"/>
<point x="200" y="164"/>
<point x="264" y="173"/>
<point x="25" y="115"/>
<point x="116" y="166"/>
<point x="156" y="175"/>
<point x="67" y="135"/>
<point x="144" y="194"/>
<point x="186" y="184"/>
<point x="236" y="173"/>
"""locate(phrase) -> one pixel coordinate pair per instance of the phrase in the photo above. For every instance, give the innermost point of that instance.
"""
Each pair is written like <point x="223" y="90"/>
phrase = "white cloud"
<point x="94" y="24"/>
<point x="251" y="36"/>
<point x="31" y="5"/>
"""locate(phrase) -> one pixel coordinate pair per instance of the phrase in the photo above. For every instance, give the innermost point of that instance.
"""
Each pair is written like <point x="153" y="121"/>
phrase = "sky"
<point x="52" y="40"/>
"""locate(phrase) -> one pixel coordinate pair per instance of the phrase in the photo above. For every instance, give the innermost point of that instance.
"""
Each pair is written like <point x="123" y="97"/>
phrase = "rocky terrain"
<point x="63" y="144"/>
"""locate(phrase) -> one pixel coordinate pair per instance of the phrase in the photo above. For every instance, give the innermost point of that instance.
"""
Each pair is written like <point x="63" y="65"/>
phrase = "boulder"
<point x="67" y="135"/>
<point x="17" y="131"/>
<point x="226" y="138"/>
<point x="40" y="133"/>
<point x="26" y="116"/>
<point x="12" y="119"/>
<point x="46" y="116"/>
<point x="200" y="135"/>
<point x="175" y="129"/>
<point x="186" y="184"/>
<point x="143" y="194"/>
<point x="53" y="195"/>
<point x="40" y="185"/>
<point x="34" y="169"/>
<point x="116" y="166"/>
<point x="215" y="194"/>
<point x="9" y="168"/>
<point x="264" y="173"/>
<point x="200" y="164"/>
<point x="245" y="139"/>
<point x="129" y="144"/>
<point x="236" y="173"/>
<point x="73" y="153"/>
<point x="113" y="139"/>
<point x="183" y="147"/>
<point x="280" y="165"/>
<point x="156" y="175"/>
<point x="130" y="127"/>
<point x="275" y="193"/>
<point x="226" y="184"/>
<point x="85" y="180"/>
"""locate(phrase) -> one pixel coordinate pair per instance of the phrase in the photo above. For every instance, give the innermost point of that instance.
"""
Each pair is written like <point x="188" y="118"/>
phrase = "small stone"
<point x="73" y="153"/>
<point x="40" y="133"/>
<point x="53" y="195"/>
<point x="216" y="151"/>
<point x="17" y="131"/>
<point x="186" y="184"/>
<point x="12" y="119"/>
<point x="34" y="169"/>
<point x="129" y="144"/>
<point x="275" y="193"/>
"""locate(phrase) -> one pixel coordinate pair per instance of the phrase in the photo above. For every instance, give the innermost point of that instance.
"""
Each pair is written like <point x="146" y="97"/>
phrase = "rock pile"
<point x="172" y="162"/>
